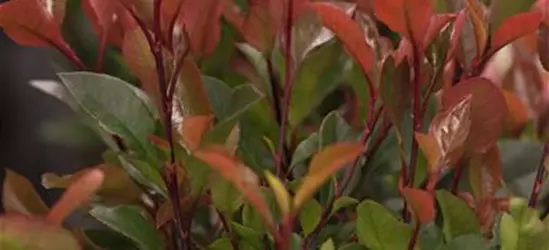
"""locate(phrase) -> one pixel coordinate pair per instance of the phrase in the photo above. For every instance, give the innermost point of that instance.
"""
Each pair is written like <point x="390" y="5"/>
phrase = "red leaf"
<point x="410" y="18"/>
<point x="514" y="28"/>
<point x="437" y="23"/>
<point x="405" y="50"/>
<point x="485" y="173"/>
<point x="348" y="31"/>
<point x="192" y="128"/>
<point x="32" y="23"/>
<point x="422" y="204"/>
<point x="109" y="19"/>
<point x="488" y="110"/>
<point x="456" y="34"/>
<point x="201" y="19"/>
<point x="542" y="6"/>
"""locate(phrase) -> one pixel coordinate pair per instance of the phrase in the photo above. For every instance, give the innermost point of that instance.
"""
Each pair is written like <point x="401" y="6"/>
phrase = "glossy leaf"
<point x="76" y="195"/>
<point x="232" y="170"/>
<point x="459" y="219"/>
<point x="308" y="32"/>
<point x="19" y="196"/>
<point x="281" y="194"/>
<point x="485" y="173"/>
<point x="348" y="31"/>
<point x="309" y="216"/>
<point x="430" y="148"/>
<point x="130" y="222"/>
<point x="514" y="28"/>
<point x="21" y="232"/>
<point x="191" y="97"/>
<point x="193" y="128"/>
<point x="422" y="204"/>
<point x="410" y="18"/>
<point x="116" y="186"/>
<point x="324" y="164"/>
<point x="488" y="110"/>
<point x="378" y="229"/>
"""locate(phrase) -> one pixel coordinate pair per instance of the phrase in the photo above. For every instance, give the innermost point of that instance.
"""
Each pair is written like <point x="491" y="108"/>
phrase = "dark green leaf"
<point x="395" y="90"/>
<point x="352" y="246"/>
<point x="109" y="239"/>
<point x="221" y="244"/>
<point x="130" y="222"/>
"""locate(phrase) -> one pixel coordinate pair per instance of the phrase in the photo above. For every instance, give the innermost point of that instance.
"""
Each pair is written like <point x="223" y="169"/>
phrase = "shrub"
<point x="294" y="124"/>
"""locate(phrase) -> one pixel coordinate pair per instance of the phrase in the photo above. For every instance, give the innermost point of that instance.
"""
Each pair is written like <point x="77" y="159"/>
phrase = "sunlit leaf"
<point x="21" y="233"/>
<point x="459" y="219"/>
<point x="349" y="32"/>
<point x="19" y="196"/>
<point x="281" y="194"/>
<point x="390" y="233"/>
<point x="323" y="165"/>
<point x="328" y="245"/>
<point x="410" y="18"/>
<point x="117" y="184"/>
<point x="130" y="222"/>
<point x="422" y="204"/>
<point x="430" y="148"/>
<point x="488" y="110"/>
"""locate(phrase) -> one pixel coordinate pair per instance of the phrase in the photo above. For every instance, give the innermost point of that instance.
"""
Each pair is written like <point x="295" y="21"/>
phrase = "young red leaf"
<point x="19" y="196"/>
<point x="485" y="173"/>
<point x="410" y="18"/>
<point x="192" y="128"/>
<point x="513" y="28"/>
<point x="488" y="110"/>
<point x="109" y="19"/>
<point x="518" y="113"/>
<point x="477" y="13"/>
<point x="456" y="34"/>
<point x="431" y="150"/>
<point x="35" y="23"/>
<point x="348" y="31"/>
<point x="404" y="51"/>
<point x="450" y="128"/>
<point x="422" y="204"/>
<point x="437" y="23"/>
<point x="201" y="19"/>
<point x="225" y="164"/>
<point x="323" y="165"/>
<point x="76" y="194"/>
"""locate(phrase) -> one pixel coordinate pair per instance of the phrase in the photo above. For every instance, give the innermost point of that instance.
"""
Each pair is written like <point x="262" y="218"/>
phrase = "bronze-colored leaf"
<point x="19" y="196"/>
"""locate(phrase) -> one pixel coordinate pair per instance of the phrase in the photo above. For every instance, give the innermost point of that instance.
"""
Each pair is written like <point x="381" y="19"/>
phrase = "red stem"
<point x="101" y="51"/>
<point x="417" y="117"/>
<point x="288" y="84"/>
<point x="413" y="240"/>
<point x="540" y="177"/>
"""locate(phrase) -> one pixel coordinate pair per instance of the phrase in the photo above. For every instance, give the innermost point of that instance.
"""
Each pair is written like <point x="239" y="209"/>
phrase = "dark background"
<point x="24" y="111"/>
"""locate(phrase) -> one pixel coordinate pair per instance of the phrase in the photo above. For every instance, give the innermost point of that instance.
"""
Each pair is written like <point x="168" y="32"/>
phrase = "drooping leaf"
<point x="514" y="28"/>
<point x="422" y="204"/>
<point x="459" y="219"/>
<point x="410" y="18"/>
<point x="324" y="164"/>
<point x="19" y="196"/>
<point x="309" y="216"/>
<point x="117" y="184"/>
<point x="488" y="110"/>
<point x="104" y="238"/>
<point x="235" y="172"/>
<point x="349" y="32"/>
<point x="20" y="232"/>
<point x="281" y="194"/>
<point x="130" y="222"/>
<point x="378" y="229"/>
<point x="191" y="97"/>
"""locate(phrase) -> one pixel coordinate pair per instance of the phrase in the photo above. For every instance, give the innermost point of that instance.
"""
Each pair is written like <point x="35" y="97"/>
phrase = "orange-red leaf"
<point x="456" y="34"/>
<point x="225" y="164"/>
<point x="485" y="173"/>
<point x="488" y="110"/>
<point x="410" y="18"/>
<point x="201" y="19"/>
<point x="33" y="23"/>
<point x="518" y="113"/>
<point x="515" y="27"/>
<point x="422" y="204"/>
<point x="430" y="149"/>
<point x="476" y="13"/>
<point x="348" y="31"/>
<point x="192" y="128"/>
<point x="323" y="165"/>
<point x="109" y="19"/>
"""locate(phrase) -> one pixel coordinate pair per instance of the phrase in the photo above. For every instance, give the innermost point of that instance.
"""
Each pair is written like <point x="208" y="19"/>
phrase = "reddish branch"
<point x="540" y="177"/>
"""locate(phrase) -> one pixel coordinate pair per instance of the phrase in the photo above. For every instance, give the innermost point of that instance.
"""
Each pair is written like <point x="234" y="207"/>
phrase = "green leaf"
<point x="198" y="172"/>
<point x="430" y="236"/>
<point x="318" y="75"/>
<point x="519" y="153"/>
<point x="378" y="229"/>
<point x="532" y="232"/>
<point x="352" y="246"/>
<point x="466" y="242"/>
<point x="116" y="106"/>
<point x="252" y="219"/>
<point x="309" y="216"/>
<point x="306" y="149"/>
<point x="19" y="196"/>
<point x="258" y="61"/>
<point x="395" y="90"/>
<point x="109" y="239"/>
<point x="225" y="196"/>
<point x="343" y="202"/>
<point x="19" y="232"/>
<point x="249" y="235"/>
<point x="459" y="219"/>
<point x="130" y="222"/>
<point x="328" y="245"/>
<point x="221" y="244"/>
<point x="509" y="232"/>
<point x="335" y="129"/>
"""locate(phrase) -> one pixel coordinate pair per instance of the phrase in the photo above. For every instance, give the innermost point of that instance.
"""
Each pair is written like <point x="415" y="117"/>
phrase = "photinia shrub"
<point x="294" y="124"/>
